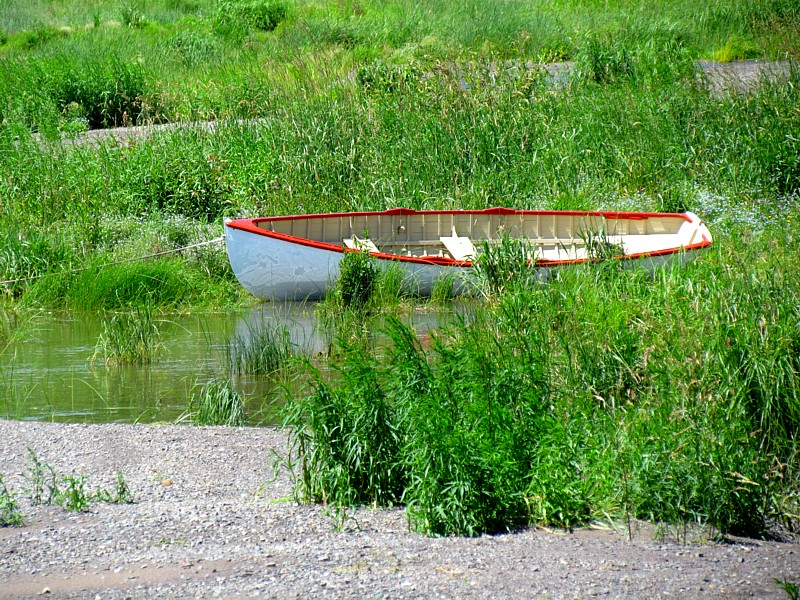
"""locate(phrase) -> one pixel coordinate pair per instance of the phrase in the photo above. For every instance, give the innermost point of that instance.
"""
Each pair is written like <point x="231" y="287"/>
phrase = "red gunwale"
<point x="251" y="226"/>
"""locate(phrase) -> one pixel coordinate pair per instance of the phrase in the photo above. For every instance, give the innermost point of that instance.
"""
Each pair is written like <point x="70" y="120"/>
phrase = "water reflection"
<point x="51" y="377"/>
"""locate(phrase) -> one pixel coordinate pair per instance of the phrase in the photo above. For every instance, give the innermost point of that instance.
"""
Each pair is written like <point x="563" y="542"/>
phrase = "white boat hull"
<point x="295" y="258"/>
<point x="278" y="270"/>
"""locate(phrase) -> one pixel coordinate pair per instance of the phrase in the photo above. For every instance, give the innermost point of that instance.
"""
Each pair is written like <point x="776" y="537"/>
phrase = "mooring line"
<point x="117" y="262"/>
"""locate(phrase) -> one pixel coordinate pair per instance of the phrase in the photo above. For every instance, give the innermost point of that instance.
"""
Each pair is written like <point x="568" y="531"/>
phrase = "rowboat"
<point x="297" y="257"/>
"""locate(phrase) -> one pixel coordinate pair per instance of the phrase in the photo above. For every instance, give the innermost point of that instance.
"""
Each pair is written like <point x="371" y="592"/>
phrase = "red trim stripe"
<point x="251" y="226"/>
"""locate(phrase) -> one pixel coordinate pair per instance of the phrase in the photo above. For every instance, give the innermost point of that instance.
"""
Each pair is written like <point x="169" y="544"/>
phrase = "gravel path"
<point x="210" y="520"/>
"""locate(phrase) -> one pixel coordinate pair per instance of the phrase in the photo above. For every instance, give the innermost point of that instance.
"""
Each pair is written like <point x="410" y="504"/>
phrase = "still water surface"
<point x="51" y="376"/>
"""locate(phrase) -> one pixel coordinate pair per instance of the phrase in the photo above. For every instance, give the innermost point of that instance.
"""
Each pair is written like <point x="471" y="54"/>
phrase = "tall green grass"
<point x="129" y="338"/>
<point x="216" y="403"/>
<point x="261" y="349"/>
<point x="646" y="137"/>
<point x="167" y="283"/>
<point x="606" y="393"/>
<point x="651" y="137"/>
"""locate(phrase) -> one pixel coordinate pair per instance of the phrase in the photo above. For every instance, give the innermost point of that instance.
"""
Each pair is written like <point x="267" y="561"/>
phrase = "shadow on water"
<point x="51" y="377"/>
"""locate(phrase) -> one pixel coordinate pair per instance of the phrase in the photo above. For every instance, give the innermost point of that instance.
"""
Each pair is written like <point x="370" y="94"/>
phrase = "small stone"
<point x="44" y="591"/>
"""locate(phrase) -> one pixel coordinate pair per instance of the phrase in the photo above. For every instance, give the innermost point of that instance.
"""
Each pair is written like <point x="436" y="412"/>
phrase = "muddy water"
<point x="52" y="377"/>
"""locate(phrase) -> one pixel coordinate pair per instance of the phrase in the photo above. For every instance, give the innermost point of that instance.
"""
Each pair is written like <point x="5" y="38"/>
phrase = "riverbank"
<point x="210" y="519"/>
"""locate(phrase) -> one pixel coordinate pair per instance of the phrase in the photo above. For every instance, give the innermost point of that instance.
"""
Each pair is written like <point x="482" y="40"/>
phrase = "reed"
<point x="215" y="403"/>
<point x="261" y="349"/>
<point x="603" y="393"/>
<point x="129" y="339"/>
<point x="16" y="326"/>
<point x="340" y="147"/>
<point x="499" y="267"/>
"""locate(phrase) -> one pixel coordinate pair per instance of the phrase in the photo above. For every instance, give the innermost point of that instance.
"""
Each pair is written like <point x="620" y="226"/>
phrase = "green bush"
<point x="236" y="17"/>
<point x="357" y="278"/>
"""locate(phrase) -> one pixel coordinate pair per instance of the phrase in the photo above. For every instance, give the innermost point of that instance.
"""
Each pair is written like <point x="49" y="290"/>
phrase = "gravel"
<point x="211" y="519"/>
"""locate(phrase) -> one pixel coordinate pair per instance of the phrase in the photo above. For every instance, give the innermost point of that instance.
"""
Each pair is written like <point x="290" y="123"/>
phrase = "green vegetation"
<point x="216" y="403"/>
<point x="357" y="279"/>
<point x="129" y="338"/>
<point x="630" y="127"/>
<point x="15" y="326"/>
<point x="42" y="479"/>
<point x="68" y="491"/>
<point x="503" y="266"/>
<point x="260" y="348"/>
<point x="792" y="590"/>
<point x="605" y="393"/>
<point x="10" y="514"/>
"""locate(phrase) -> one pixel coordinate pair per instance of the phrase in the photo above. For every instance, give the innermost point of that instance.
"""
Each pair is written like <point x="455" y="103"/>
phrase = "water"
<point x="51" y="376"/>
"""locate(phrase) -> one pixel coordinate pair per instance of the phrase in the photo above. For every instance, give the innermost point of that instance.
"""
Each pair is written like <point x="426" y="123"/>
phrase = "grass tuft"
<point x="129" y="339"/>
<point x="260" y="348"/>
<point x="216" y="403"/>
<point x="357" y="278"/>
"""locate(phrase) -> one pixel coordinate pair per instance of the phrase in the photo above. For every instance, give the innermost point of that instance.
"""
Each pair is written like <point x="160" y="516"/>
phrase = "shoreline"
<point x="210" y="519"/>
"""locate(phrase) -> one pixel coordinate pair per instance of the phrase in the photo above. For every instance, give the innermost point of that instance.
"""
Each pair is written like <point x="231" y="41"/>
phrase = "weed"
<point x="121" y="494"/>
<point x="43" y="481"/>
<point x="73" y="495"/>
<point x="10" y="514"/>
<point x="792" y="590"/>
<point x="68" y="491"/>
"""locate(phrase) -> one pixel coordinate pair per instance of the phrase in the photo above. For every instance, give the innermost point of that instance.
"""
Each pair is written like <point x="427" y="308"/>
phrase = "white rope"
<point x="118" y="262"/>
